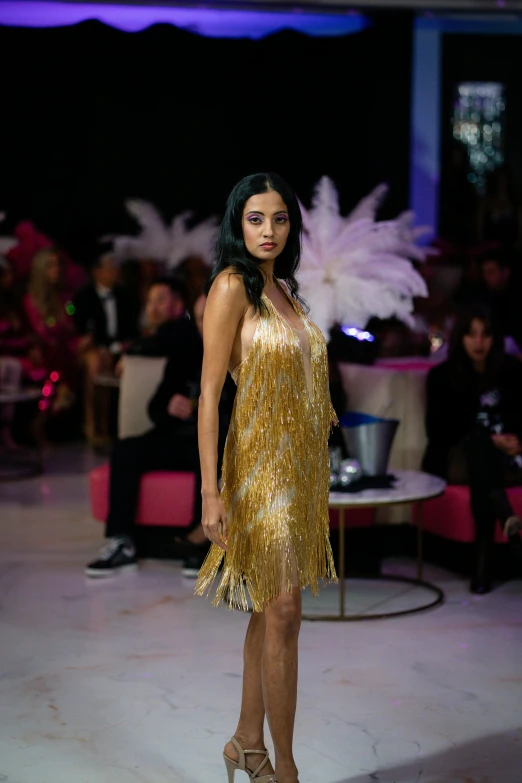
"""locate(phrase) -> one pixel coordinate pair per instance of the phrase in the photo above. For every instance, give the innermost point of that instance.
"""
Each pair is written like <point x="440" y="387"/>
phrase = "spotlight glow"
<point x="358" y="334"/>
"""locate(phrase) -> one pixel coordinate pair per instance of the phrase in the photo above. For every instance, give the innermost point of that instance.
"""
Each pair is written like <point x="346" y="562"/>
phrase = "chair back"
<point x="140" y="379"/>
<point x="10" y="374"/>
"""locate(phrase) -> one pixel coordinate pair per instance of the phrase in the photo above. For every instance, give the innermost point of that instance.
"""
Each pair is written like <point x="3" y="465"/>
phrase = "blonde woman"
<point x="46" y="307"/>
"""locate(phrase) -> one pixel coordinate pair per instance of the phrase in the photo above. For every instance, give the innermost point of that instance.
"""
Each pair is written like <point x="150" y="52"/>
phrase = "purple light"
<point x="203" y="21"/>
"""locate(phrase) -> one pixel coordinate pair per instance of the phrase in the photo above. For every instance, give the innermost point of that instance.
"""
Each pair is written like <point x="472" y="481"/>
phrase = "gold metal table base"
<point x="418" y="582"/>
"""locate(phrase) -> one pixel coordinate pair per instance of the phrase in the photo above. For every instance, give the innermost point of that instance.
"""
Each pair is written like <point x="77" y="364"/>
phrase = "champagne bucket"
<point x="369" y="440"/>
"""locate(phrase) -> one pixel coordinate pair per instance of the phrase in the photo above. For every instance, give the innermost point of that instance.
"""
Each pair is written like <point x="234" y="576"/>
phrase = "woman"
<point x="474" y="427"/>
<point x="16" y="339"/>
<point x="49" y="313"/>
<point x="271" y="521"/>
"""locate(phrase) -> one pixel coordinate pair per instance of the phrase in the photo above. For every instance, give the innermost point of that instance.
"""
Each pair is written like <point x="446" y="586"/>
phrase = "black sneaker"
<point x="118" y="555"/>
<point x="193" y="562"/>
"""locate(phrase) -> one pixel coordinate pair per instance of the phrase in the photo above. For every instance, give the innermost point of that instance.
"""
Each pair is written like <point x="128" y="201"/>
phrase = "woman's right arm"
<point x="226" y="306"/>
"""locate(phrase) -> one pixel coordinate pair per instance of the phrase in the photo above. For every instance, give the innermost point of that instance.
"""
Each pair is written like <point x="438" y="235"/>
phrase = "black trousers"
<point x="132" y="457"/>
<point x="477" y="462"/>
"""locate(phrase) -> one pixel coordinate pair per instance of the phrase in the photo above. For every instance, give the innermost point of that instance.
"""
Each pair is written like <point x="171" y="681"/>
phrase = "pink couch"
<point x="450" y="515"/>
<point x="166" y="497"/>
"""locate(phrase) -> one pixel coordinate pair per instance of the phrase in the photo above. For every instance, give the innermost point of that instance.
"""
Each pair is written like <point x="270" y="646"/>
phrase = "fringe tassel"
<point x="276" y="474"/>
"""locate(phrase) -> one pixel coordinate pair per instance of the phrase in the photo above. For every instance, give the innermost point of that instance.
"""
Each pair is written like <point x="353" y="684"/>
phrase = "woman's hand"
<point x="509" y="444"/>
<point x="214" y="521"/>
<point x="85" y="343"/>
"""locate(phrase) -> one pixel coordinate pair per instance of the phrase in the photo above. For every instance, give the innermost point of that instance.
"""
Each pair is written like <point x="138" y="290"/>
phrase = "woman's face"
<point x="53" y="270"/>
<point x="477" y="343"/>
<point x="265" y="225"/>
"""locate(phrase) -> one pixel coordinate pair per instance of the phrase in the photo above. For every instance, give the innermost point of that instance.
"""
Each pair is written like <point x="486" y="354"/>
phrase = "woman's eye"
<point x="254" y="219"/>
<point x="281" y="219"/>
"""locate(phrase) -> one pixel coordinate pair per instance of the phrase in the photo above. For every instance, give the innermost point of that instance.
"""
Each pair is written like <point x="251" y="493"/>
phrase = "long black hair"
<point x="230" y="249"/>
<point x="458" y="359"/>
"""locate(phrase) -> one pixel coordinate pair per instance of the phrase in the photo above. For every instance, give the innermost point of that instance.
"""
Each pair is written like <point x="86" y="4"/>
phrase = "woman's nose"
<point x="268" y="231"/>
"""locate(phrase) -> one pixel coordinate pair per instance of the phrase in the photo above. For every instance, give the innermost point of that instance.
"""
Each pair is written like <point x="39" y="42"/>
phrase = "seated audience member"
<point x="16" y="339"/>
<point x="166" y="304"/>
<point x="171" y="445"/>
<point x="474" y="428"/>
<point x="194" y="545"/>
<point x="29" y="242"/>
<point x="498" y="291"/>
<point x="501" y="294"/>
<point x="106" y="317"/>
<point x="47" y="309"/>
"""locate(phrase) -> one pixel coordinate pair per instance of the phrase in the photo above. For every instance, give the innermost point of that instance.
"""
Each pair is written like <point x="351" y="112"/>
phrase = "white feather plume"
<point x="161" y="242"/>
<point x="354" y="268"/>
<point x="369" y="205"/>
<point x="6" y="243"/>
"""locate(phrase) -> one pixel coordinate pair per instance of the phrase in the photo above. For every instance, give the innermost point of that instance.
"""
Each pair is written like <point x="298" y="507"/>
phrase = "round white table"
<point x="412" y="486"/>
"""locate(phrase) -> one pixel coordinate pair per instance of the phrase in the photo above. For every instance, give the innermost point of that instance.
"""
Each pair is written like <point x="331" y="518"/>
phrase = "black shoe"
<point x="187" y="548"/>
<point x="480" y="585"/>
<point x="118" y="555"/>
<point x="193" y="562"/>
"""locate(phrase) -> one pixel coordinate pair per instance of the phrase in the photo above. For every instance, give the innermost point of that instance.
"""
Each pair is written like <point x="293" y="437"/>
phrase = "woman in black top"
<point x="474" y="428"/>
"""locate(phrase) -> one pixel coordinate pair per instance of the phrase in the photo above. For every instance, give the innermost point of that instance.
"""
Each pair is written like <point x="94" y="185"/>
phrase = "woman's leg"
<point x="486" y="466"/>
<point x="92" y="364"/>
<point x="250" y="728"/>
<point x="279" y="678"/>
<point x="270" y="683"/>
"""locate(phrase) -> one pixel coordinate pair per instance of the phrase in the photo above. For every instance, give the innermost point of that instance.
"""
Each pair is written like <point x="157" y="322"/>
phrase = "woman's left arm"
<point x="36" y="320"/>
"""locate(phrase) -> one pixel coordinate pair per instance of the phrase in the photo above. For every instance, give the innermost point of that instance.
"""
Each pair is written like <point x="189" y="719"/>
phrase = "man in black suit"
<point x="106" y="314"/>
<point x="166" y="304"/>
<point x="171" y="445"/>
<point x="106" y="317"/>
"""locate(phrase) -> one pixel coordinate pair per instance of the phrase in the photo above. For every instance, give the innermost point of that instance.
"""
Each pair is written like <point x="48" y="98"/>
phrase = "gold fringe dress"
<point x="276" y="474"/>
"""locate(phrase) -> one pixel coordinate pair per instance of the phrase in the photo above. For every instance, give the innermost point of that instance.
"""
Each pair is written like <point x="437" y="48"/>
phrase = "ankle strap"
<point x="245" y="752"/>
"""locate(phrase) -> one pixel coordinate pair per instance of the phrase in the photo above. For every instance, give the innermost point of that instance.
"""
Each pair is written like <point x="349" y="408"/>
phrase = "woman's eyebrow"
<point x="258" y="212"/>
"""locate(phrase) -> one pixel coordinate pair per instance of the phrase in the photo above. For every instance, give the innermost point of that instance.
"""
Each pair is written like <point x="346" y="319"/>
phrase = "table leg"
<point x="341" y="562"/>
<point x="419" y="540"/>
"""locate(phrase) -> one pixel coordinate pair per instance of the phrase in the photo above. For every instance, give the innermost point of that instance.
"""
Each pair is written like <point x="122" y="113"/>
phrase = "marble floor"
<point x="134" y="680"/>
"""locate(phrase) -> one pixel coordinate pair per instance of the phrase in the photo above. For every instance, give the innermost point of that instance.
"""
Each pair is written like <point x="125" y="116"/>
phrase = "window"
<point x="478" y="122"/>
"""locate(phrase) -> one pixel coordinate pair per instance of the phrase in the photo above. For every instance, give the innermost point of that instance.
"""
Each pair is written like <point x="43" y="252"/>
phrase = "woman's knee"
<point x="283" y="614"/>
<point x="92" y="363"/>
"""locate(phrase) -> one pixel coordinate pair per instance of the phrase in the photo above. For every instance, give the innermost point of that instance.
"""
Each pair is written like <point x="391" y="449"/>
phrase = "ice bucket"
<point x="369" y="440"/>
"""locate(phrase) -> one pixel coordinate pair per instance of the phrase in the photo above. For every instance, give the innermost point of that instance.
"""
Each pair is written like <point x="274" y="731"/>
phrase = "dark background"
<point x="93" y="116"/>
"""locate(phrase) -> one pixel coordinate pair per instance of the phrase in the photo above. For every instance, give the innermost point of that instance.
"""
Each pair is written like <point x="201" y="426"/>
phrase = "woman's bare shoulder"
<point x="229" y="288"/>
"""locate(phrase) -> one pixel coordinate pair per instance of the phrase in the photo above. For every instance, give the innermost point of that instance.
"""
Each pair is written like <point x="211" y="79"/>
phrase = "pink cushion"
<point x="450" y="515"/>
<point x="353" y="517"/>
<point x="166" y="497"/>
<point x="418" y="365"/>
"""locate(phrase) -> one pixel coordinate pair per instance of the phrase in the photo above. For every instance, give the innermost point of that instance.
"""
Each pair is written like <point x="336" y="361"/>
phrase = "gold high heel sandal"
<point x="232" y="766"/>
